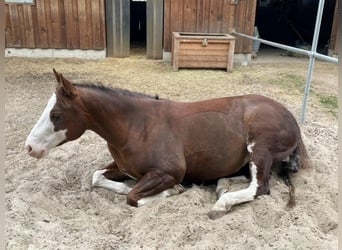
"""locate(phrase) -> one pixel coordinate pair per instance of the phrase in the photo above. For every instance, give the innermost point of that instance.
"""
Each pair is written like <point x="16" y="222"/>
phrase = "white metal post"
<point x="312" y="58"/>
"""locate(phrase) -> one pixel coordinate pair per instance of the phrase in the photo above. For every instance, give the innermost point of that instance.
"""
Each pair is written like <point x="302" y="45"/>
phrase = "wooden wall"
<point x="214" y="16"/>
<point x="67" y="24"/>
<point x="333" y="43"/>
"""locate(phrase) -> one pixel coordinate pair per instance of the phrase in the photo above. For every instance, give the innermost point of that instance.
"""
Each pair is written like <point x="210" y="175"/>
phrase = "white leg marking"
<point x="99" y="180"/>
<point x="250" y="147"/>
<point x="223" y="184"/>
<point x="176" y="189"/>
<point x="221" y="187"/>
<point x="227" y="200"/>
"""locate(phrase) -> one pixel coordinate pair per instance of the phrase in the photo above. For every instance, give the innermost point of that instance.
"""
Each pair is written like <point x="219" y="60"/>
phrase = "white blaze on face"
<point x="43" y="137"/>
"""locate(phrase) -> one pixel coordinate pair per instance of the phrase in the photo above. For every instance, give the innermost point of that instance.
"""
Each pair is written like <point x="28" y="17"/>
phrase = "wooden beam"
<point x="118" y="28"/>
<point x="154" y="31"/>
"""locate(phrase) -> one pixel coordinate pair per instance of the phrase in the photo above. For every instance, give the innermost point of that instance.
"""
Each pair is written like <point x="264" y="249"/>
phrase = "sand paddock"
<point x="50" y="203"/>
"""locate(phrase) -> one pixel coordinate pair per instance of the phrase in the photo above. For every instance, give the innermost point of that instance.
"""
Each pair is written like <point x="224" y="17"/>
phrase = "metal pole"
<point x="273" y="44"/>
<point x="312" y="58"/>
<point x="312" y="54"/>
<point x="289" y="48"/>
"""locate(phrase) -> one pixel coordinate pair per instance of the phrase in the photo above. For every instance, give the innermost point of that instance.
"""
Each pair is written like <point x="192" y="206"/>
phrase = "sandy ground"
<point x="50" y="203"/>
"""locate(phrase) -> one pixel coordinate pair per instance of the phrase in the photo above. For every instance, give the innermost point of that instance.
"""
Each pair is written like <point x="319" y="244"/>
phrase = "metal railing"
<point x="312" y="54"/>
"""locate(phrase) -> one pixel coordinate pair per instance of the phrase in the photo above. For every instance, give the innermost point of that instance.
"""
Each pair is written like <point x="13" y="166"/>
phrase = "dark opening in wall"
<point x="292" y="22"/>
<point x="138" y="23"/>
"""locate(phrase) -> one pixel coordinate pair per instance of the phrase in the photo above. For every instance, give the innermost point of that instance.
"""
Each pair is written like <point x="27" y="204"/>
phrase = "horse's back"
<point x="215" y="133"/>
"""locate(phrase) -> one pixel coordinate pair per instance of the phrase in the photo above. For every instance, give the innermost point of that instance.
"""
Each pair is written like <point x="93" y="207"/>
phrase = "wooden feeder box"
<point x="202" y="50"/>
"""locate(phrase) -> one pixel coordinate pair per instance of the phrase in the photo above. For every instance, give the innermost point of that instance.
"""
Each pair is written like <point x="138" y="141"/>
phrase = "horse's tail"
<point x="299" y="158"/>
<point x="304" y="159"/>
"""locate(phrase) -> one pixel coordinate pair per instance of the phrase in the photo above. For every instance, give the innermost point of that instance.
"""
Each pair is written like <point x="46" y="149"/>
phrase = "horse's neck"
<point x="109" y="116"/>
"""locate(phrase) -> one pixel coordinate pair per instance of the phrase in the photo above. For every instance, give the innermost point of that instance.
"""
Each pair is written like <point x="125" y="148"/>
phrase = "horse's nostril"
<point x="29" y="148"/>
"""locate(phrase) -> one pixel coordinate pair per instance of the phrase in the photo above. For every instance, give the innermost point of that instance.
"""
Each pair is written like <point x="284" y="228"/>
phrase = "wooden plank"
<point x="76" y="37"/>
<point x="240" y="16"/>
<point x="102" y="24"/>
<point x="206" y="12"/>
<point x="175" y="54"/>
<point x="42" y="27"/>
<point x="196" y="64"/>
<point x="69" y="28"/>
<point x="215" y="16"/>
<point x="179" y="14"/>
<point x="15" y="37"/>
<point x="28" y="26"/>
<point x="204" y="58"/>
<point x="189" y="15"/>
<point x="167" y="25"/>
<point x="89" y="29"/>
<point x="230" y="59"/>
<point x="55" y="24"/>
<point x="118" y="23"/>
<point x="249" y="25"/>
<point x="198" y="46"/>
<point x="154" y="31"/>
<point x="71" y="24"/>
<point x="21" y="26"/>
<point x="96" y="25"/>
<point x="199" y="16"/>
<point x="211" y="52"/>
<point x="176" y="18"/>
<point x="50" y="37"/>
<point x="8" y="29"/>
<point x="231" y="16"/>
<point x="227" y="12"/>
<point x="333" y="44"/>
<point x="63" y="32"/>
<point x="35" y="26"/>
<point x="82" y="20"/>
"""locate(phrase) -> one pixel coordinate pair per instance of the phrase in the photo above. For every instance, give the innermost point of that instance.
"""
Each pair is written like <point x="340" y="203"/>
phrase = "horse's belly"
<point x="214" y="145"/>
<point x="214" y="164"/>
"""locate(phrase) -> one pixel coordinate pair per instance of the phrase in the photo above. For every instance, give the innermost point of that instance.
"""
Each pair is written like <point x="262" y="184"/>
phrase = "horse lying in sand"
<point x="160" y="143"/>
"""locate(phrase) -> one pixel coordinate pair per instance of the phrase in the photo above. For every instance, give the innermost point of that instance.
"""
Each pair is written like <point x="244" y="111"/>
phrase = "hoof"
<point x="97" y="177"/>
<point x="220" y="192"/>
<point x="132" y="202"/>
<point x="216" y="214"/>
<point x="180" y="189"/>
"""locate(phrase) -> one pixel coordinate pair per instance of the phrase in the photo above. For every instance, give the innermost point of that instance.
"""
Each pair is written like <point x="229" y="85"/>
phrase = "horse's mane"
<point x="119" y="91"/>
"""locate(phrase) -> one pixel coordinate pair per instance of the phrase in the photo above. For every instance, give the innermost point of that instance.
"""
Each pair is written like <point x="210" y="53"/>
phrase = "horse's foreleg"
<point x="153" y="185"/>
<point x="105" y="178"/>
<point x="114" y="173"/>
<point x="176" y="189"/>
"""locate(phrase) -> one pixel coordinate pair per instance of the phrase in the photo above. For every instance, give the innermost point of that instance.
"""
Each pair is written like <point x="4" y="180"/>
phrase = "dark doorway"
<point x="138" y="26"/>
<point x="292" y="22"/>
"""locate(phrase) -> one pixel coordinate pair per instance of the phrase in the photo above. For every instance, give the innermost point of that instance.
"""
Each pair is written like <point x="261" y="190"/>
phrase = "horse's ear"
<point x="67" y="86"/>
<point x="57" y="75"/>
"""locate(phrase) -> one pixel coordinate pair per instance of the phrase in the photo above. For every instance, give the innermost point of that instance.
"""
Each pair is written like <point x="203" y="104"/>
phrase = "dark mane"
<point x="119" y="91"/>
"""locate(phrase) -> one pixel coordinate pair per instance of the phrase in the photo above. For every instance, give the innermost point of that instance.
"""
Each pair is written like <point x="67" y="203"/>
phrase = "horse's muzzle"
<point x="35" y="153"/>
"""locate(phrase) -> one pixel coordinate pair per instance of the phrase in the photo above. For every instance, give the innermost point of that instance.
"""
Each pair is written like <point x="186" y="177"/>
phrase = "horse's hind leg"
<point x="223" y="183"/>
<point x="284" y="173"/>
<point x="294" y="161"/>
<point x="260" y="164"/>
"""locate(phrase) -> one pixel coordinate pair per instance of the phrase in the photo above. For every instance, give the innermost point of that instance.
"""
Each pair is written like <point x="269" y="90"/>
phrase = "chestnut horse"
<point x="160" y="143"/>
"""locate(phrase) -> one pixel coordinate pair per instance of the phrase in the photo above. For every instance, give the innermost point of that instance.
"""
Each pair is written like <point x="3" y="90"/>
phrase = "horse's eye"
<point x="55" y="117"/>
